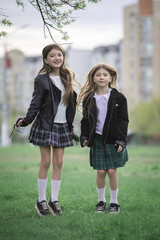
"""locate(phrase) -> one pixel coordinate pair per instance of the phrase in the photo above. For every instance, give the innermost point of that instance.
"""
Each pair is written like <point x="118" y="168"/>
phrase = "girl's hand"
<point x="19" y="123"/>
<point x="85" y="143"/>
<point x="119" y="148"/>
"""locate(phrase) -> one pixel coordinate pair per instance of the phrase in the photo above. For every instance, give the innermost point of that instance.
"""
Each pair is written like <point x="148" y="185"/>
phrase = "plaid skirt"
<point x="105" y="156"/>
<point x="59" y="137"/>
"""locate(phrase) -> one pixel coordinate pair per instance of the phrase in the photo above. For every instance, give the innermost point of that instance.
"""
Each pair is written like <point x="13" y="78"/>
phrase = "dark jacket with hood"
<point x="116" y="122"/>
<point x="44" y="104"/>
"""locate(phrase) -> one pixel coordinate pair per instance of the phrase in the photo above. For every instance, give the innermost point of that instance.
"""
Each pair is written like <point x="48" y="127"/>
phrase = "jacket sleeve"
<point x="36" y="102"/>
<point x="122" y="123"/>
<point x="84" y="126"/>
<point x="71" y="111"/>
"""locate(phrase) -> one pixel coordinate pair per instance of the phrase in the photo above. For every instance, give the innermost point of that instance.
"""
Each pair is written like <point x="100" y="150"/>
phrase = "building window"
<point x="146" y="61"/>
<point x="146" y="23"/>
<point x="146" y="83"/>
<point x="146" y="49"/>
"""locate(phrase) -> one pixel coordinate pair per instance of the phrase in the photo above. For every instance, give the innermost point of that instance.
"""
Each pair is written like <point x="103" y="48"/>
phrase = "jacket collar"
<point x="115" y="93"/>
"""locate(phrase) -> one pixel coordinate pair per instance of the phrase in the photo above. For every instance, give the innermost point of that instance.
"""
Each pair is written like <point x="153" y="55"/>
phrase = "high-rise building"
<point x="81" y="61"/>
<point x="141" y="51"/>
<point x="109" y="54"/>
<point x="16" y="87"/>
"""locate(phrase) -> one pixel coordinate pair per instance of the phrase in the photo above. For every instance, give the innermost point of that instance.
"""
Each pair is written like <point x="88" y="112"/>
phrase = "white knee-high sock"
<point x="101" y="194"/>
<point x="42" y="184"/>
<point x="55" y="186"/>
<point x="114" y="194"/>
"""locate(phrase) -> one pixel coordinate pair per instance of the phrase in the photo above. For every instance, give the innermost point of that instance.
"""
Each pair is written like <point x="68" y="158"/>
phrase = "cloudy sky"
<point x="99" y="24"/>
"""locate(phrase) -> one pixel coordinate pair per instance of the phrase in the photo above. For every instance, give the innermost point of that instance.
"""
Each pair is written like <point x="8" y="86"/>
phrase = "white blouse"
<point x="61" y="112"/>
<point x="102" y="106"/>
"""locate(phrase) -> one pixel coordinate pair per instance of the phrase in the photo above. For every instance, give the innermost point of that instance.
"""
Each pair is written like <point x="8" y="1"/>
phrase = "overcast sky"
<point x="99" y="24"/>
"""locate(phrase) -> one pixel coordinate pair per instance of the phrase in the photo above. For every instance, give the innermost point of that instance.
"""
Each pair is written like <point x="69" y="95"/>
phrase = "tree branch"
<point x="53" y="13"/>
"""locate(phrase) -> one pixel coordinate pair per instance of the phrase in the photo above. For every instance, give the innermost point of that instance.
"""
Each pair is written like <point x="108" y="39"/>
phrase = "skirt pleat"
<point x="59" y="137"/>
<point x="105" y="156"/>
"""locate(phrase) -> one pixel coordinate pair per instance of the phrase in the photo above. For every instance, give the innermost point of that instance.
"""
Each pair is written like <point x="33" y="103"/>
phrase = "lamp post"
<point x="5" y="141"/>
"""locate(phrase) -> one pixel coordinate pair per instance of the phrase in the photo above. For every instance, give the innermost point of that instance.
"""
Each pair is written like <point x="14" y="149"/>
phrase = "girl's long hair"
<point x="89" y="88"/>
<point x="66" y="75"/>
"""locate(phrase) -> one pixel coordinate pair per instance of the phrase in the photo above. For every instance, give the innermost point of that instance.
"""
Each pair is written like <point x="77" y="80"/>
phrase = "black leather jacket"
<point x="116" y="122"/>
<point x="44" y="104"/>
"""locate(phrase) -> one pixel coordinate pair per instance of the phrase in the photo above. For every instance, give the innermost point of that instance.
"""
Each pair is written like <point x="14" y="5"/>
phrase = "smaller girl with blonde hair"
<point x="104" y="129"/>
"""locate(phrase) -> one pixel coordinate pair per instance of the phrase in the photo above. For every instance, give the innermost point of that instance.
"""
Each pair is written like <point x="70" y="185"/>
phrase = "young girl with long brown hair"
<point x="104" y="129"/>
<point x="52" y="108"/>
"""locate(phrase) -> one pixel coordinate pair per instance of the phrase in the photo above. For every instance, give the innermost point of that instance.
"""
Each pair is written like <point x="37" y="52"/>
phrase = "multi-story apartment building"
<point x="141" y="51"/>
<point x="111" y="55"/>
<point x="20" y="72"/>
<point x="81" y="61"/>
<point x="78" y="60"/>
<point x="16" y="87"/>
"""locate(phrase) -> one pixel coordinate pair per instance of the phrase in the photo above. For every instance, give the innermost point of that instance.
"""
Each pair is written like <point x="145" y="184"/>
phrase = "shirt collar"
<point x="105" y="95"/>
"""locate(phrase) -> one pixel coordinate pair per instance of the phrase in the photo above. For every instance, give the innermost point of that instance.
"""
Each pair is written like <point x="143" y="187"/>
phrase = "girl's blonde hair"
<point x="89" y="88"/>
<point x="66" y="75"/>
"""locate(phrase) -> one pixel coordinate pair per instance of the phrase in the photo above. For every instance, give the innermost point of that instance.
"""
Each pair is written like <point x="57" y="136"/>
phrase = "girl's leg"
<point x="113" y="180"/>
<point x="43" y="172"/>
<point x="101" y="176"/>
<point x="57" y="161"/>
<point x="45" y="161"/>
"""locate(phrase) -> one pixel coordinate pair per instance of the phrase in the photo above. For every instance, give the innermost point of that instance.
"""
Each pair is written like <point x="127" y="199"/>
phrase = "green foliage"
<point x="20" y="3"/>
<point x="145" y="119"/>
<point x="79" y="5"/>
<point x="55" y="14"/>
<point x="93" y="1"/>
<point x="5" y="22"/>
<point x="3" y="33"/>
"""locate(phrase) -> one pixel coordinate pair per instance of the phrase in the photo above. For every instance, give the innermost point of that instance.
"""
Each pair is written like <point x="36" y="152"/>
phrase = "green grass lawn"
<point x="139" y="197"/>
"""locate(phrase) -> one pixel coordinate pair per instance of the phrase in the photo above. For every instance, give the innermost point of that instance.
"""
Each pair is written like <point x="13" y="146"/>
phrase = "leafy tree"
<point x="4" y="21"/>
<point x="145" y="119"/>
<point x="55" y="14"/>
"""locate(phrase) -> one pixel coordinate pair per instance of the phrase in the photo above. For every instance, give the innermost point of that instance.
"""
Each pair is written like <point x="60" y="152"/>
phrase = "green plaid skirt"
<point x="105" y="156"/>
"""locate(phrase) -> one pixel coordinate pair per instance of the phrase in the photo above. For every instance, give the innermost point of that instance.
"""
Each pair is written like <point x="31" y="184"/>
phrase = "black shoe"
<point x="42" y="208"/>
<point x="114" y="208"/>
<point x="101" y="207"/>
<point x="54" y="208"/>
